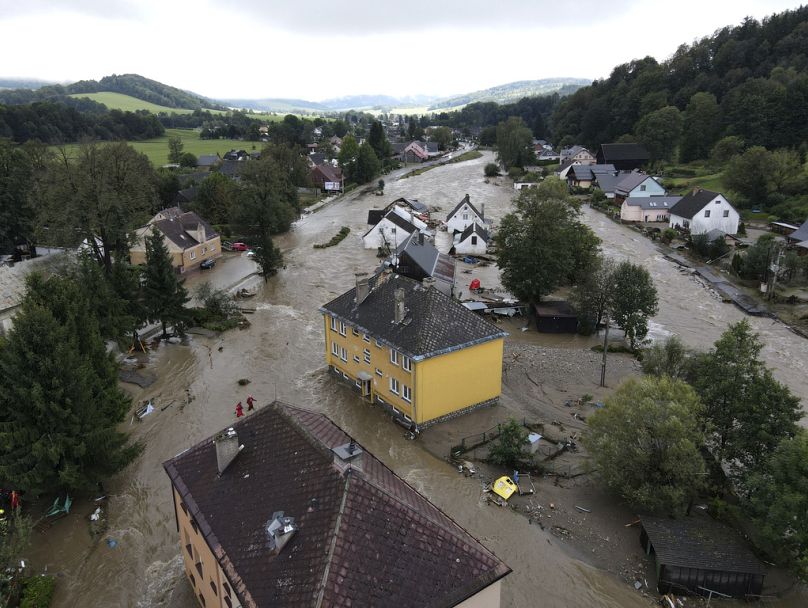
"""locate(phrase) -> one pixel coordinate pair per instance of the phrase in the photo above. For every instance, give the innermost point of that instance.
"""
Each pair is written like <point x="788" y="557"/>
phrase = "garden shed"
<point x="698" y="555"/>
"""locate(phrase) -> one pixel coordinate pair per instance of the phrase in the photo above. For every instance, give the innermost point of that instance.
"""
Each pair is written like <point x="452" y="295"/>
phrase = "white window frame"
<point x="343" y="355"/>
<point x="406" y="393"/>
<point x="335" y="349"/>
<point x="393" y="356"/>
<point x="356" y="358"/>
<point x="366" y="338"/>
<point x="366" y="352"/>
<point x="334" y="323"/>
<point x="406" y="363"/>
<point x="341" y="328"/>
<point x="379" y="373"/>
<point x="378" y="343"/>
<point x="706" y="213"/>
<point x="394" y="386"/>
<point x="193" y="254"/>
<point x="354" y="331"/>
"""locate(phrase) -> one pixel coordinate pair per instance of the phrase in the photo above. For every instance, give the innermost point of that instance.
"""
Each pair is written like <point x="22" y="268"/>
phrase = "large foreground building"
<point x="283" y="509"/>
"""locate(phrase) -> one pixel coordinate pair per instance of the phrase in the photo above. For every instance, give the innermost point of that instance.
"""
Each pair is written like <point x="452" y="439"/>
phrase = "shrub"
<point x="38" y="592"/>
<point x="515" y="172"/>
<point x="668" y="235"/>
<point x="598" y="195"/>
<point x="491" y="170"/>
<point x="510" y="448"/>
<point x="343" y="232"/>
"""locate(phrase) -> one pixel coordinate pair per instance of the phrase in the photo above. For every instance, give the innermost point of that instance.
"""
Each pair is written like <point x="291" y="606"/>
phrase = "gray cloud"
<point x="356" y="17"/>
<point x="114" y="9"/>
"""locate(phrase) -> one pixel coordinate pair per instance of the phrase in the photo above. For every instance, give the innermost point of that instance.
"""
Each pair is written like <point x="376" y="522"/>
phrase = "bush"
<point x="343" y="232"/>
<point x="598" y="195"/>
<point x="515" y="172"/>
<point x="491" y="170"/>
<point x="668" y="235"/>
<point x="38" y="592"/>
<point x="510" y="448"/>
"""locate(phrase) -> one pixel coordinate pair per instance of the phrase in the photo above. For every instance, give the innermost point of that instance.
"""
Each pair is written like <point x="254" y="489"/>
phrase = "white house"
<point x="702" y="210"/>
<point x="393" y="229"/>
<point x="472" y="241"/>
<point x="464" y="215"/>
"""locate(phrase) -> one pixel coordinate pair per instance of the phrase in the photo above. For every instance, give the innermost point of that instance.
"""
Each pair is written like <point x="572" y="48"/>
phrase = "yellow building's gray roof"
<point x="433" y="325"/>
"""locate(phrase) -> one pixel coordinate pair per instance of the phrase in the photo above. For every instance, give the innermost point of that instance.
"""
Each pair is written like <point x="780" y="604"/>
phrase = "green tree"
<point x="592" y="293"/>
<point x="163" y="293"/>
<point x="701" y="127"/>
<point x="188" y="160"/>
<point x="441" y="135"/>
<point x="748" y="175"/>
<point x="542" y="243"/>
<point x="660" y="131"/>
<point x="633" y="300"/>
<point x="757" y="259"/>
<point x="367" y="164"/>
<point x="175" y="147"/>
<point x="645" y="443"/>
<point x="778" y="502"/>
<point x="101" y="197"/>
<point x="15" y="536"/>
<point x="725" y="149"/>
<point x="670" y="358"/>
<point x="347" y="157"/>
<point x="515" y="143"/>
<point x="748" y="409"/>
<point x="378" y="140"/>
<point x="60" y="403"/>
<point x="216" y="198"/>
<point x="491" y="170"/>
<point x="17" y="208"/>
<point x="510" y="448"/>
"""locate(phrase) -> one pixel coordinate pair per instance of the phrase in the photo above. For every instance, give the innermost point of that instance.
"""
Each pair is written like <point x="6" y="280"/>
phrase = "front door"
<point x="366" y="388"/>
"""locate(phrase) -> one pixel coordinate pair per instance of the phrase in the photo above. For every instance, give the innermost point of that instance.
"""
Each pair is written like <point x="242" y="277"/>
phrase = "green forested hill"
<point x="133" y="85"/>
<point x="749" y="81"/>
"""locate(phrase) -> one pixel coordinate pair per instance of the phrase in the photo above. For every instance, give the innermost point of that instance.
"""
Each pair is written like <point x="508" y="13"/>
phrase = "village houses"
<point x="464" y="215"/>
<point x="189" y="238"/>
<point x="412" y="349"/>
<point x="393" y="228"/>
<point x="285" y="509"/>
<point x="702" y="211"/>
<point x="472" y="241"/>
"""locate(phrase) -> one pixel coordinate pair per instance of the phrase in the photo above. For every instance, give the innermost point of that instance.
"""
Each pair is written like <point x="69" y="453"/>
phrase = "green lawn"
<point x="157" y="149"/>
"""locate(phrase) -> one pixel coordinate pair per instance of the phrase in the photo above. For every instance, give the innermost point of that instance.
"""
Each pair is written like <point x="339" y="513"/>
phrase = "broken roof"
<point x="434" y="324"/>
<point x="361" y="535"/>
<point x="699" y="542"/>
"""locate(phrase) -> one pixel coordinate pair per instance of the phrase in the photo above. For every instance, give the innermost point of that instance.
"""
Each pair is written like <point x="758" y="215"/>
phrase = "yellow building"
<point x="413" y="349"/>
<point x="284" y="509"/>
<point x="189" y="238"/>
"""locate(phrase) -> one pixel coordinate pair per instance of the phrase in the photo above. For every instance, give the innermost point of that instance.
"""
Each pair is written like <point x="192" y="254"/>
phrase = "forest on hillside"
<point x="748" y="81"/>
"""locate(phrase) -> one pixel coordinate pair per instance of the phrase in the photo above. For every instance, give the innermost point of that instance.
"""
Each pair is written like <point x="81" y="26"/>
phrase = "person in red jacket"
<point x="250" y="403"/>
<point x="239" y="410"/>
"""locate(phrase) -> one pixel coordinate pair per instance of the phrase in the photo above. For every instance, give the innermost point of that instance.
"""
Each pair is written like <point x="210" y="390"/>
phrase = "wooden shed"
<point x="699" y="555"/>
<point x="556" y="317"/>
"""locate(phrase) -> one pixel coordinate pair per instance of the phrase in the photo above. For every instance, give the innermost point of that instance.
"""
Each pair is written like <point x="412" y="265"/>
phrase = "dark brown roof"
<point x="362" y="537"/>
<point x="329" y="173"/>
<point x="434" y="324"/>
<point x="699" y="542"/>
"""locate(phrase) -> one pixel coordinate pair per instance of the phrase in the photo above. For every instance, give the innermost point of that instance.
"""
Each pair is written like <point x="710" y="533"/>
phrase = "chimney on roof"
<point x="400" y="311"/>
<point x="428" y="282"/>
<point x="280" y="530"/>
<point x="348" y="455"/>
<point x="227" y="448"/>
<point x="696" y="190"/>
<point x="362" y="287"/>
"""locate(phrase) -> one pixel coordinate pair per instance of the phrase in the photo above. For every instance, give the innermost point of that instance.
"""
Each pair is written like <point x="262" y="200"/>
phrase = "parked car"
<point x="207" y="264"/>
<point x="239" y="247"/>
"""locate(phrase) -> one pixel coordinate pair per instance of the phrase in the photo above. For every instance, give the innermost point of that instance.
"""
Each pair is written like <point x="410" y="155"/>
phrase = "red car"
<point x="238" y="247"/>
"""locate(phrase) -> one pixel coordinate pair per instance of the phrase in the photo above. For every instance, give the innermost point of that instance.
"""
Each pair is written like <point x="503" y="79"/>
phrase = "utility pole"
<point x="605" y="351"/>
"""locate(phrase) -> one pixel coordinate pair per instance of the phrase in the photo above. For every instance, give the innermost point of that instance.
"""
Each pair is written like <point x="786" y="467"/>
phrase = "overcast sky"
<point x="317" y="49"/>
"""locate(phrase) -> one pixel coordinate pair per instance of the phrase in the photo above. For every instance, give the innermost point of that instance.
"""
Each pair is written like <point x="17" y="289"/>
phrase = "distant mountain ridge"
<point x="513" y="91"/>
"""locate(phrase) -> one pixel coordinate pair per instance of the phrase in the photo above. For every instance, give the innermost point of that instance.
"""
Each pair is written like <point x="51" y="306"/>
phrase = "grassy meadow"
<point x="157" y="149"/>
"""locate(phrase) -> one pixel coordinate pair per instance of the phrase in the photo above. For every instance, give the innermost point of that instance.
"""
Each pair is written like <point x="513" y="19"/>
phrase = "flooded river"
<point x="282" y="356"/>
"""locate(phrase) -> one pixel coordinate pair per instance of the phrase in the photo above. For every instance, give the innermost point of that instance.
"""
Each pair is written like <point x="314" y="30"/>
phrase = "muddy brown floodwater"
<point x="282" y="355"/>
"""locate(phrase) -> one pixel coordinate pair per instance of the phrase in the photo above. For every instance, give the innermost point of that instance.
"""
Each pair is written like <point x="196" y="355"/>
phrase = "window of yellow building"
<point x="193" y="254"/>
<point x="406" y="392"/>
<point x="379" y="373"/>
<point x="367" y="355"/>
<point x="334" y="323"/>
<point x="366" y="338"/>
<point x="343" y="354"/>
<point x="341" y="328"/>
<point x="379" y="343"/>
<point x="356" y="358"/>
<point x="394" y="386"/>
<point x="354" y="332"/>
<point x="334" y="349"/>
<point x="393" y="357"/>
<point x="406" y="363"/>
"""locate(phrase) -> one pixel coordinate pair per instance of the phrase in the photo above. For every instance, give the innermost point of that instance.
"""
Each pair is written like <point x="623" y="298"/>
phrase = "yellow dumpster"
<point x="504" y="487"/>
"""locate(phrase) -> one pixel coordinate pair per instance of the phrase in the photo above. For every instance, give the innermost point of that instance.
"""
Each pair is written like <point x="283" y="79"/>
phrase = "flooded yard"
<point x="282" y="356"/>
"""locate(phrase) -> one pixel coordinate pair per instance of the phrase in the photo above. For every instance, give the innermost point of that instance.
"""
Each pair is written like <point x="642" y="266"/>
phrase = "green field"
<point x="157" y="149"/>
